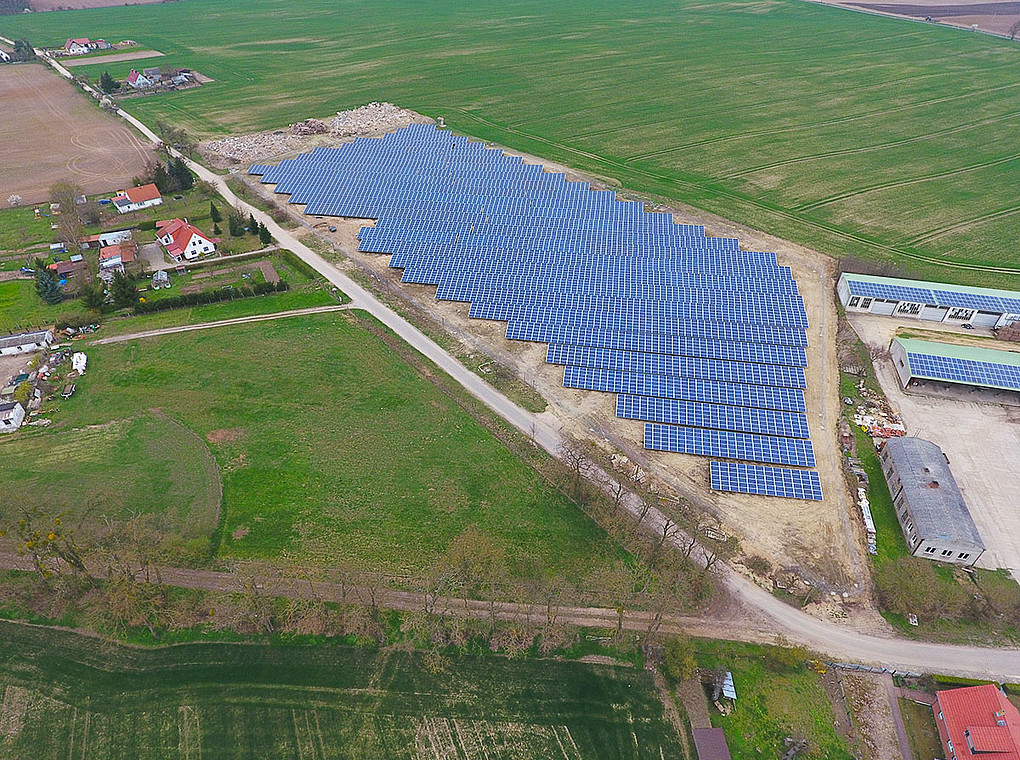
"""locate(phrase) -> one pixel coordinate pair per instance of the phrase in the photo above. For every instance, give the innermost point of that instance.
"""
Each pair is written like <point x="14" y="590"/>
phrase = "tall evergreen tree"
<point x="46" y="284"/>
<point x="236" y="224"/>
<point x="181" y="173"/>
<point x="162" y="179"/>
<point x="253" y="226"/>
<point x="214" y="213"/>
<point x="265" y="237"/>
<point x="107" y="83"/>
<point x="123" y="291"/>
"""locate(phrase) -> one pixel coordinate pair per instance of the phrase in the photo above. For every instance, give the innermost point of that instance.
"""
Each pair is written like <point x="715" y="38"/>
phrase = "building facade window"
<point x="964" y="555"/>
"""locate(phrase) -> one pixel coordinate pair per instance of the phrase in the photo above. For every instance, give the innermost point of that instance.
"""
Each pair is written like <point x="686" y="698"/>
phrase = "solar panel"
<point x="890" y="292"/>
<point x="737" y="477"/>
<point x="692" y="332"/>
<point x="967" y="371"/>
<point x="729" y="444"/>
<point x="691" y="414"/>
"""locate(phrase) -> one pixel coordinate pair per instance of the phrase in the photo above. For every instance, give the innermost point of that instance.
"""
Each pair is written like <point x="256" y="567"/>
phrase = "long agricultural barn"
<point x="938" y="302"/>
<point x="952" y="363"/>
<point x="703" y="342"/>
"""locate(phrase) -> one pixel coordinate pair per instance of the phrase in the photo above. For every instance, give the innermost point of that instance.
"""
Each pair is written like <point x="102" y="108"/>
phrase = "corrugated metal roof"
<point x="934" y="500"/>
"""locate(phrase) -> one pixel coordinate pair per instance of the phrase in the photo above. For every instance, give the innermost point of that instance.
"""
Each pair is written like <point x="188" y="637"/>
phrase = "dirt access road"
<point x="54" y="135"/>
<point x="778" y="618"/>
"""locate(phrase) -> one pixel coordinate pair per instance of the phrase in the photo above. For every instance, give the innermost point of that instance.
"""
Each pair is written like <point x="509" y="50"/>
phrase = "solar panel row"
<point x="729" y="445"/>
<point x="768" y="481"/>
<point x="967" y="371"/>
<point x="721" y="417"/>
<point x="891" y="291"/>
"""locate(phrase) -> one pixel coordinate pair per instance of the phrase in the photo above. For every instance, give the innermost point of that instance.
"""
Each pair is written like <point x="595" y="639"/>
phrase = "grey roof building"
<point x="25" y="342"/>
<point x="931" y="510"/>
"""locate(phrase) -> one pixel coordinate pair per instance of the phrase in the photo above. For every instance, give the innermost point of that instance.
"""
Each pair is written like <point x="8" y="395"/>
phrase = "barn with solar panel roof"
<point x="701" y="342"/>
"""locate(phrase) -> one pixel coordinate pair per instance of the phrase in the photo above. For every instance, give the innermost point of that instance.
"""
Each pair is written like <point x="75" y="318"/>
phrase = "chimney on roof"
<point x="933" y="484"/>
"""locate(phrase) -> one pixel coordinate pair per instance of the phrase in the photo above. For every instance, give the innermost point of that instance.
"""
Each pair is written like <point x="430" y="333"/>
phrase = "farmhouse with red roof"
<point x="137" y="198"/>
<point x="77" y="45"/>
<point x="977" y="721"/>
<point x="183" y="240"/>
<point x="138" y="81"/>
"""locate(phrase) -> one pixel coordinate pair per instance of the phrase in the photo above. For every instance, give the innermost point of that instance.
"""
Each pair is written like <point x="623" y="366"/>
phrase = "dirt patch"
<point x="133" y="55"/>
<point x="225" y="435"/>
<point x="240" y="533"/>
<point x="13" y="709"/>
<point x="56" y="134"/>
<point x="269" y="271"/>
<point x="874" y="727"/>
<point x="601" y="659"/>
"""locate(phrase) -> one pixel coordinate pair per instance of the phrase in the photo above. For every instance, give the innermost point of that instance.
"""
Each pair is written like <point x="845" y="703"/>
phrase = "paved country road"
<point x="834" y="639"/>
<point x="221" y="323"/>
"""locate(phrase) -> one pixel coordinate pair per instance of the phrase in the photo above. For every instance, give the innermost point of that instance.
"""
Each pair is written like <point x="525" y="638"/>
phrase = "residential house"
<point x="183" y="240"/>
<point x="12" y="414"/>
<point x="77" y="46"/>
<point x="137" y="198"/>
<point x="138" y="81"/>
<point x="977" y="721"/>
<point x="26" y="342"/>
<point x="72" y="268"/>
<point x="99" y="45"/>
<point x="153" y="74"/>
<point x="114" y="257"/>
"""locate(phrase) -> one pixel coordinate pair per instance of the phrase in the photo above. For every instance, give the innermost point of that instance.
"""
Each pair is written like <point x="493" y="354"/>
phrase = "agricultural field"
<point x="851" y="133"/>
<point x="65" y="694"/>
<point x="58" y="135"/>
<point x="332" y="449"/>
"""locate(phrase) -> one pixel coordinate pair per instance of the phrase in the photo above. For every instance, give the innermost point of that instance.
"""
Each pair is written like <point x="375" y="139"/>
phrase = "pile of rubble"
<point x="309" y="127"/>
<point x="373" y="118"/>
<point x="245" y="149"/>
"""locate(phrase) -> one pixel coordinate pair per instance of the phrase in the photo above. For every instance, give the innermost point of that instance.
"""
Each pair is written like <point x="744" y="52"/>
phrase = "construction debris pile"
<point x="309" y="127"/>
<point x="373" y="119"/>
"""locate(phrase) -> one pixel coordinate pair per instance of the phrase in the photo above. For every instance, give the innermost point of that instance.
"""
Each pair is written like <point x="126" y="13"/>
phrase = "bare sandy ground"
<point x="132" y="55"/>
<point x="981" y="439"/>
<point x="56" y="135"/>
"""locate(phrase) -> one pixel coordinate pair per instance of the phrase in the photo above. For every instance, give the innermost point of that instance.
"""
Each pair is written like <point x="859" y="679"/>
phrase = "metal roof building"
<point x="939" y="302"/>
<point x="929" y="506"/>
<point x="953" y="363"/>
<point x="25" y="342"/>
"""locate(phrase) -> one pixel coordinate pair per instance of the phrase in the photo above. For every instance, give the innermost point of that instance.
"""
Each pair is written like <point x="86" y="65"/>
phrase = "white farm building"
<point x="938" y="302"/>
<point x="24" y="343"/>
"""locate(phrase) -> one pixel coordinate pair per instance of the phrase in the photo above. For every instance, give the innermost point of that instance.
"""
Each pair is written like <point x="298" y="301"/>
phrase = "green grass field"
<point x="772" y="703"/>
<point x="65" y="695"/>
<point x="139" y="465"/>
<point x="850" y="133"/>
<point x="333" y="449"/>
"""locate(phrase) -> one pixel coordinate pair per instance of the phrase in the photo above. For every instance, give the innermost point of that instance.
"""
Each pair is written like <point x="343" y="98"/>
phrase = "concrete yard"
<point x="981" y="440"/>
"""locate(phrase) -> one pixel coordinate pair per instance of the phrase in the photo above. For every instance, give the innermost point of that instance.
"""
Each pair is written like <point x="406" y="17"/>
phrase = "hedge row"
<point x="210" y="296"/>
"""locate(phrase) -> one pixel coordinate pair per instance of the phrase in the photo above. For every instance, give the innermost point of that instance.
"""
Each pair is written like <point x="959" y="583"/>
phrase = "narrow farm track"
<point x="822" y="123"/>
<point x="964" y="225"/>
<point x="777" y="617"/>
<point x="221" y="323"/>
<point x="870" y="148"/>
<point x="906" y="182"/>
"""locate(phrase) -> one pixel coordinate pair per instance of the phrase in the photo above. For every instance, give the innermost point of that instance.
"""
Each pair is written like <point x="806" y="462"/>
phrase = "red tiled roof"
<point x="79" y="40"/>
<point x="971" y="717"/>
<point x="181" y="233"/>
<point x="125" y="250"/>
<point x="142" y="194"/>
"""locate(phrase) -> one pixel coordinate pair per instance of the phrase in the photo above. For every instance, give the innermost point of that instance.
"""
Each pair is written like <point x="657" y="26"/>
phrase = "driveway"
<point x="151" y="255"/>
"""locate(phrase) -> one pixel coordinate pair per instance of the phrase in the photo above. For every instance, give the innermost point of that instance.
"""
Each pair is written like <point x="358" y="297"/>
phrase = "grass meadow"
<point x="65" y="695"/>
<point x="850" y="133"/>
<point x="332" y="449"/>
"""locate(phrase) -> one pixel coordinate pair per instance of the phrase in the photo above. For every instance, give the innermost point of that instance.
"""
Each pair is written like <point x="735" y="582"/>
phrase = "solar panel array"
<point x="702" y="341"/>
<point x="969" y="371"/>
<point x="893" y="291"/>
<point x="767" y="481"/>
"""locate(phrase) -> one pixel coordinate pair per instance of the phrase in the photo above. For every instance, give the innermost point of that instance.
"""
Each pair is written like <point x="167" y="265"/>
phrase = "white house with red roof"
<point x="138" y="81"/>
<point x="137" y="198"/>
<point x="977" y="721"/>
<point x="77" y="45"/>
<point x="183" y="240"/>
